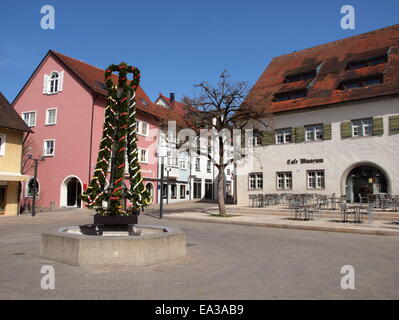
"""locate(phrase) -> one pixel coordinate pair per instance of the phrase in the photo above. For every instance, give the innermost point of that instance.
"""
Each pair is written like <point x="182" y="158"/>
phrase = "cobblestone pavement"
<point x="223" y="262"/>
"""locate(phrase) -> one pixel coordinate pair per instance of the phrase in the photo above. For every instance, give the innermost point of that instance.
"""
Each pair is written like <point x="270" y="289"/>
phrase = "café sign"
<point x="304" y="161"/>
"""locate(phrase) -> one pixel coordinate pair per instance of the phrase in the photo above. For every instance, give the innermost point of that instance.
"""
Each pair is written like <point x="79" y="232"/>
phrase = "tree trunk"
<point x="221" y="167"/>
<point x="221" y="204"/>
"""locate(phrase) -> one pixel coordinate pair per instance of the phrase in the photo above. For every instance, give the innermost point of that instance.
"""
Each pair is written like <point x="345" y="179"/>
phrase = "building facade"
<point x="191" y="176"/>
<point x="13" y="131"/>
<point x="63" y="102"/>
<point x="335" y="112"/>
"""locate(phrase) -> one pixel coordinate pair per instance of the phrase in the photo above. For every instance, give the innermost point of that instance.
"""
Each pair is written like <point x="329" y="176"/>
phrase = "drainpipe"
<point x="91" y="139"/>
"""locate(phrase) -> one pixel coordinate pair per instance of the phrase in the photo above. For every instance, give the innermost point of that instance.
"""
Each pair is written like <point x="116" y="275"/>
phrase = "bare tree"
<point x="29" y="147"/>
<point x="223" y="108"/>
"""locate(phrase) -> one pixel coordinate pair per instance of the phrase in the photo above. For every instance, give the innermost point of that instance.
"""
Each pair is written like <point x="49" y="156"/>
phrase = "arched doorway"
<point x="150" y="189"/>
<point x="71" y="192"/>
<point x="365" y="179"/>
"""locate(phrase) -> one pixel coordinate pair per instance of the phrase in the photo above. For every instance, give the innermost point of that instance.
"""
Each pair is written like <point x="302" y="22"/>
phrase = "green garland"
<point x="119" y="134"/>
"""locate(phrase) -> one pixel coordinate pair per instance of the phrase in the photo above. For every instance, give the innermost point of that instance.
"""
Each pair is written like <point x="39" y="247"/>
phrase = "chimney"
<point x="172" y="98"/>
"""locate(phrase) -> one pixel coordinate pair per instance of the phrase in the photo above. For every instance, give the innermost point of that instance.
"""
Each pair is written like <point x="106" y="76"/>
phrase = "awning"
<point x="12" y="176"/>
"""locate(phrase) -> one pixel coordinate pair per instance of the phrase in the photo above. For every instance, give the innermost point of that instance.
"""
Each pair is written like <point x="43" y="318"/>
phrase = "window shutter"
<point x="378" y="126"/>
<point x="45" y="84"/>
<point x="327" y="131"/>
<point x="60" y="81"/>
<point x="299" y="134"/>
<point x="346" y="130"/>
<point x="293" y="135"/>
<point x="393" y="124"/>
<point x="267" y="137"/>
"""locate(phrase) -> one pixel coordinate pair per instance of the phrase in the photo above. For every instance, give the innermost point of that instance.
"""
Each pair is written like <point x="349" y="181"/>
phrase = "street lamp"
<point x="167" y="184"/>
<point x="42" y="158"/>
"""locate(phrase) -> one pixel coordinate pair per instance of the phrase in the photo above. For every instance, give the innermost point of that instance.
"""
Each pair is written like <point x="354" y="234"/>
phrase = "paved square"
<point x="223" y="262"/>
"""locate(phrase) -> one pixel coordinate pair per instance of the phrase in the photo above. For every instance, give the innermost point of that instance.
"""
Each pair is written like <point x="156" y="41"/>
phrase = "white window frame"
<point x="47" y="123"/>
<point x="182" y="164"/>
<point x="282" y="134"/>
<point x="197" y="164"/>
<point x="286" y="180"/>
<point x="314" y="132"/>
<point x="140" y="155"/>
<point x="45" y="148"/>
<point x="360" y="126"/>
<point x="140" y="124"/>
<point x="26" y="112"/>
<point x="255" y="181"/>
<point x="315" y="179"/>
<point x="2" y="145"/>
<point x="47" y="82"/>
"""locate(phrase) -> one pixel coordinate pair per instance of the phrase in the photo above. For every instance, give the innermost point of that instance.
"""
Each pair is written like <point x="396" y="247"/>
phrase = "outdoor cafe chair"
<point x="252" y="200"/>
<point x="343" y="207"/>
<point x="362" y="199"/>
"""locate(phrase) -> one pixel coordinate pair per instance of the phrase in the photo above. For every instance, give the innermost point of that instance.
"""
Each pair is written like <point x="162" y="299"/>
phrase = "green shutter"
<point x="346" y="129"/>
<point x="378" y="127"/>
<point x="327" y="131"/>
<point x="299" y="134"/>
<point x="267" y="137"/>
<point x="393" y="124"/>
<point x="293" y="135"/>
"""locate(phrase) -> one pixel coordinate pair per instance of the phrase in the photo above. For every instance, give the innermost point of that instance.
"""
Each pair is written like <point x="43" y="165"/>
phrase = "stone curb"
<point x="289" y="226"/>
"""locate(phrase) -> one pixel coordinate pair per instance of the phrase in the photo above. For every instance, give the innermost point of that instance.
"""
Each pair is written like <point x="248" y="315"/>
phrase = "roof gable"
<point x="9" y="118"/>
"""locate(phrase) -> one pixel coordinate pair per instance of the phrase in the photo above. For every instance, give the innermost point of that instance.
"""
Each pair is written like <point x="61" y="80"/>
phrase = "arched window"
<point x="29" y="188"/>
<point x="54" y="79"/>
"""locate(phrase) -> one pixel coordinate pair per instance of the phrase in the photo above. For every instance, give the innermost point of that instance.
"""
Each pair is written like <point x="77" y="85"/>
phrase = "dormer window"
<point x="367" y="62"/>
<point x="144" y="102"/>
<point x="300" y="76"/>
<point x="53" y="82"/>
<point x="361" y="82"/>
<point x="290" y="95"/>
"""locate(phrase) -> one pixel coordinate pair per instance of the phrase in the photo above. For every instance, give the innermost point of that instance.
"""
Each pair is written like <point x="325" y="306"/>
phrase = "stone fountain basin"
<point x="154" y="245"/>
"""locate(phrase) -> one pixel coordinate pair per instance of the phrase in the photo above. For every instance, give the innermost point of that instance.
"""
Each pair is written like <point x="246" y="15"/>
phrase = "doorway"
<point x="197" y="188"/>
<point x="150" y="189"/>
<point x="364" y="180"/>
<point x="3" y="194"/>
<point x="74" y="191"/>
<point x="208" y="189"/>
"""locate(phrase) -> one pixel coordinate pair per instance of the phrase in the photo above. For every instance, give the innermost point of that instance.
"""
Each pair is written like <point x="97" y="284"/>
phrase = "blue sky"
<point x="176" y="43"/>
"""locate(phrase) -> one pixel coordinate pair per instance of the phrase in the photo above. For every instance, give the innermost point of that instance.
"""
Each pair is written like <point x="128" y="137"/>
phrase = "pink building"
<point x="63" y="102"/>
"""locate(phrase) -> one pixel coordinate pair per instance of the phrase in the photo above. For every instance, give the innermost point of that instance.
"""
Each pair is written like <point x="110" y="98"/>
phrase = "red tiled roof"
<point x="93" y="77"/>
<point x="331" y="60"/>
<point x="9" y="118"/>
<point x="177" y="106"/>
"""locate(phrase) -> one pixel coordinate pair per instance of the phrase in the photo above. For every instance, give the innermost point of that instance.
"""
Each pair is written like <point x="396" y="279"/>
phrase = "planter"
<point x="115" y="220"/>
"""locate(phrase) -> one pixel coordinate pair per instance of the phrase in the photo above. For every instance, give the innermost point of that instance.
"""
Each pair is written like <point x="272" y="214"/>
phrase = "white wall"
<point x="340" y="155"/>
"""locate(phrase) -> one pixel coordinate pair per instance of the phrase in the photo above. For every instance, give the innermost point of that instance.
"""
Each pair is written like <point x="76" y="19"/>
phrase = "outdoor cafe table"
<point x="305" y="209"/>
<point x="357" y="212"/>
